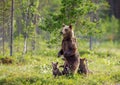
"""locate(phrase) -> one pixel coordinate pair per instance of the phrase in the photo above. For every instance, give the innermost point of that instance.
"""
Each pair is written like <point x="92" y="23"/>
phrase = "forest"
<point x="30" y="41"/>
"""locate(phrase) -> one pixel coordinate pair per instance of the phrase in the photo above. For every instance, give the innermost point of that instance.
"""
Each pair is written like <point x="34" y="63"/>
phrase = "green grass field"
<point x="103" y="61"/>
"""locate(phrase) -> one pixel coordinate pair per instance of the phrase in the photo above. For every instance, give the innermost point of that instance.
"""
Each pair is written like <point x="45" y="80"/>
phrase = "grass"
<point x="103" y="61"/>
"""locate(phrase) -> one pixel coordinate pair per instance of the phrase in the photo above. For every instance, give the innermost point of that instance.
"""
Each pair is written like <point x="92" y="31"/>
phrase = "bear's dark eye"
<point x="66" y="30"/>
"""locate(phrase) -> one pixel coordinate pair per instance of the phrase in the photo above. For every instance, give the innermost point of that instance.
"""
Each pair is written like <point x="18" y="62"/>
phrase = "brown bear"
<point x="83" y="68"/>
<point x="69" y="49"/>
<point x="55" y="70"/>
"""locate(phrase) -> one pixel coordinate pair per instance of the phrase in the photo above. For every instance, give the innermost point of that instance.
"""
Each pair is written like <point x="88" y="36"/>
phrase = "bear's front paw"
<point x="59" y="54"/>
<point x="66" y="54"/>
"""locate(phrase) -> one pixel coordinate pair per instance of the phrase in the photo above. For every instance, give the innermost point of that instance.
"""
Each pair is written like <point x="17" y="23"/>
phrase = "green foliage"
<point x="110" y="28"/>
<point x="27" y="17"/>
<point x="76" y="12"/>
<point x="69" y="14"/>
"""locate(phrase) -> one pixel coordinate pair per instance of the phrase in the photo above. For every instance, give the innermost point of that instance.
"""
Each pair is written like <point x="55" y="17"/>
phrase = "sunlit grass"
<point x="36" y="69"/>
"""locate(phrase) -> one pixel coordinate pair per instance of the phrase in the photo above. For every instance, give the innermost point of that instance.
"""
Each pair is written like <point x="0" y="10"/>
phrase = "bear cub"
<point x="83" y="68"/>
<point x="66" y="70"/>
<point x="55" y="70"/>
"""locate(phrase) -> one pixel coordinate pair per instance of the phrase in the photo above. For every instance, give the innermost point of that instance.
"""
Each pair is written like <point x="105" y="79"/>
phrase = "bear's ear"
<point x="70" y="26"/>
<point x="84" y="59"/>
<point x="63" y="25"/>
<point x="56" y="62"/>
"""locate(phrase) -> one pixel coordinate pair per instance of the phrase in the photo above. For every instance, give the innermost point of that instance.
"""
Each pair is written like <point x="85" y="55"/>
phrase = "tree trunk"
<point x="11" y="30"/>
<point x="33" y="44"/>
<point x="115" y="6"/>
<point x="26" y="32"/>
<point x="118" y="34"/>
<point x="25" y="44"/>
<point x="3" y="28"/>
<point x="90" y="42"/>
<point x="34" y="38"/>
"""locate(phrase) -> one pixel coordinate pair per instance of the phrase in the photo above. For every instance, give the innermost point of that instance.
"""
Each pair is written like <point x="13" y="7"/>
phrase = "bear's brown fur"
<point x="83" y="68"/>
<point x="55" y="70"/>
<point x="65" y="67"/>
<point x="69" y="49"/>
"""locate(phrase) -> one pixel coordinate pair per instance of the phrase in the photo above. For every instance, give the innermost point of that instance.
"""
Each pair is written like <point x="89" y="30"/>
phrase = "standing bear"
<point x="69" y="49"/>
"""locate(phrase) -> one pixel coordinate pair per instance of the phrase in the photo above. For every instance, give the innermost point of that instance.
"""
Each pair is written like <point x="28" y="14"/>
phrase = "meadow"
<point x="30" y="39"/>
<point x="103" y="61"/>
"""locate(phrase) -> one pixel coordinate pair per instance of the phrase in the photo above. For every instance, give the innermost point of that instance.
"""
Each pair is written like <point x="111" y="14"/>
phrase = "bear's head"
<point x="67" y="31"/>
<point x="54" y="65"/>
<point x="83" y="61"/>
